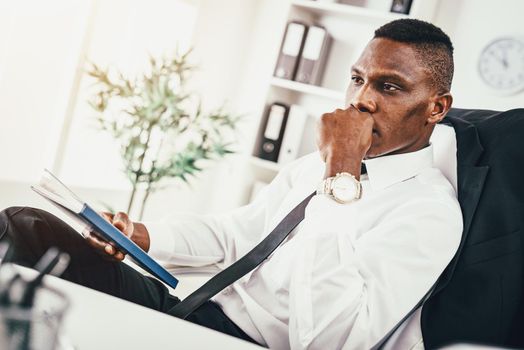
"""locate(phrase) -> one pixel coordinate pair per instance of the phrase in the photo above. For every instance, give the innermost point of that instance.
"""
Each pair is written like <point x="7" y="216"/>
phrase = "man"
<point x="370" y="245"/>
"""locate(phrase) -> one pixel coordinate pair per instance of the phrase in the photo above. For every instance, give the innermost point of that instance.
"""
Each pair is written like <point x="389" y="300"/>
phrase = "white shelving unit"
<point x="351" y="25"/>
<point x="347" y="10"/>
<point x="266" y="164"/>
<point x="307" y="89"/>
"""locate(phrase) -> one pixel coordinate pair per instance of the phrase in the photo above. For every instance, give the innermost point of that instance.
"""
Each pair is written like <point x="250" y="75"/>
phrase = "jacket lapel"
<point x="471" y="180"/>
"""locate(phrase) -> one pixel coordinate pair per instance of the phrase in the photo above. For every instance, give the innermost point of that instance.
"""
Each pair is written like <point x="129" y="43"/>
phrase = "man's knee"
<point x="7" y="216"/>
<point x="22" y="220"/>
<point x="33" y="231"/>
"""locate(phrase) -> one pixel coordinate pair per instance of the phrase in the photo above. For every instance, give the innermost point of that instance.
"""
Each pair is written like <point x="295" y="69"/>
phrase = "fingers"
<point x="123" y="223"/>
<point x="344" y="133"/>
<point x="108" y="216"/>
<point x="103" y="247"/>
<point x="99" y="244"/>
<point x="95" y="242"/>
<point x="119" y="255"/>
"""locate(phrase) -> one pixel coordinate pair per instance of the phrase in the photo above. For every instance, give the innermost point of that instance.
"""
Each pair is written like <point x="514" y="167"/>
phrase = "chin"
<point x="372" y="154"/>
<point x="375" y="152"/>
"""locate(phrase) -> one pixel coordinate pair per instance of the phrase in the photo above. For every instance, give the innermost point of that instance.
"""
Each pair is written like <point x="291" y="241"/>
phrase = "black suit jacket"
<point x="480" y="296"/>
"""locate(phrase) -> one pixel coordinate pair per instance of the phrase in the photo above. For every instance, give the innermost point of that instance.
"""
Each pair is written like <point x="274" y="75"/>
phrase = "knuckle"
<point x="122" y="216"/>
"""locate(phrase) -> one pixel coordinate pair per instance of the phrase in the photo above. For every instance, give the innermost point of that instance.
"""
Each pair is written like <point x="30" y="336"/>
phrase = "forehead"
<point x="385" y="56"/>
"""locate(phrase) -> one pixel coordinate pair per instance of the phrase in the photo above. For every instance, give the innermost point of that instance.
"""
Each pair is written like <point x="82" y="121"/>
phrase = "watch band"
<point x="324" y="187"/>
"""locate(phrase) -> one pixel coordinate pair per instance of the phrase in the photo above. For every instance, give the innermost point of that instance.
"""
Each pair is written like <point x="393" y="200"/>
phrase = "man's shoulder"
<point x="307" y="167"/>
<point x="431" y="184"/>
<point x="309" y="160"/>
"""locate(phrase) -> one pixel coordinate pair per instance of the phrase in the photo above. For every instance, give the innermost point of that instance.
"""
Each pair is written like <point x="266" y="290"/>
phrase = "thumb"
<point x="120" y="221"/>
<point x="119" y="225"/>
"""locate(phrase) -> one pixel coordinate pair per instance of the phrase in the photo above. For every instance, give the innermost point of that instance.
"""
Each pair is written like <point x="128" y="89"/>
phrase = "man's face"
<point x="389" y="82"/>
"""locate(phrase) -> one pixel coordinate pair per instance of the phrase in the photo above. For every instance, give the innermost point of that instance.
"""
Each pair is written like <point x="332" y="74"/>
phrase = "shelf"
<point x="346" y="10"/>
<point x="265" y="164"/>
<point x="308" y="89"/>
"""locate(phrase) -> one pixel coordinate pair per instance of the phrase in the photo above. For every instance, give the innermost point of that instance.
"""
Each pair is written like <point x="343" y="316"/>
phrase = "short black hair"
<point x="431" y="44"/>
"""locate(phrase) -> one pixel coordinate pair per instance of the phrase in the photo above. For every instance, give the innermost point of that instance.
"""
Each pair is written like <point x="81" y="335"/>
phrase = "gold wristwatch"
<point x="343" y="187"/>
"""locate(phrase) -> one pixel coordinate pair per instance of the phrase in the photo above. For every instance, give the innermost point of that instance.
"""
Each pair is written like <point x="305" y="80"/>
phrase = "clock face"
<point x="501" y="65"/>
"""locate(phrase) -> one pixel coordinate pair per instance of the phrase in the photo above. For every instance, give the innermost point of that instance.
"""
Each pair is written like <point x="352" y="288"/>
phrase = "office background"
<point x="45" y="121"/>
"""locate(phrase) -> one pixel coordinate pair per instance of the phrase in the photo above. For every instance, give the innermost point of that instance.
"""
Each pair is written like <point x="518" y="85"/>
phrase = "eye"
<point x="390" y="87"/>
<point x="356" y="80"/>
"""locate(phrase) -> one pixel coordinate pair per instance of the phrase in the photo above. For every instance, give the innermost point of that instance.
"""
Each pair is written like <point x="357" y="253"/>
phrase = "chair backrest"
<point x="445" y="152"/>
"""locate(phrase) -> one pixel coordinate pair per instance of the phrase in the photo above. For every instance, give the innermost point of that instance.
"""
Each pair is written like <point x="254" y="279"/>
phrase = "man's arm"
<point x="190" y="239"/>
<point x="343" y="139"/>
<point x="199" y="240"/>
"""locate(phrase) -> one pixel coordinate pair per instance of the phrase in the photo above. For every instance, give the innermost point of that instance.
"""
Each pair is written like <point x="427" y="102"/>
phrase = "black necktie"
<point x="245" y="264"/>
<point x="256" y="256"/>
<point x="363" y="169"/>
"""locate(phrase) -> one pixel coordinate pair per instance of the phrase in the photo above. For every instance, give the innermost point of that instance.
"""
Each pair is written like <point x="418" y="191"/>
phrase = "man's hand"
<point x="137" y="232"/>
<point x="343" y="139"/>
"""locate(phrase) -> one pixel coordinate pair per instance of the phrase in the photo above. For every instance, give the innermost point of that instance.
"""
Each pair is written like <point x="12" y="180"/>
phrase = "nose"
<point x="363" y="99"/>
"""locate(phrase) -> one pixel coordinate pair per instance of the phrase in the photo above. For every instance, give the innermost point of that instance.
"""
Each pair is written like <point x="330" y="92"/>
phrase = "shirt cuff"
<point x="162" y="240"/>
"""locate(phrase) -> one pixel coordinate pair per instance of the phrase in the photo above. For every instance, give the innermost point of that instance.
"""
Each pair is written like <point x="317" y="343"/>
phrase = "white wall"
<point x="41" y="44"/>
<point x="44" y="116"/>
<point x="472" y="24"/>
<point x="123" y="35"/>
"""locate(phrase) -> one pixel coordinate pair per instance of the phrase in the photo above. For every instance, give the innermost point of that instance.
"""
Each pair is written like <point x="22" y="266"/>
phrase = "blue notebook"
<point x="61" y="196"/>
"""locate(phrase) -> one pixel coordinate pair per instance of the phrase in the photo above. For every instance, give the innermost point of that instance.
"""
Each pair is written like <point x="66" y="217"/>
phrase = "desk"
<point x="99" y="321"/>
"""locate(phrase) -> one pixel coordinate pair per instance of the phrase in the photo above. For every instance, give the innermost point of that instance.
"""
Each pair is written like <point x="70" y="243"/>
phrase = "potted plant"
<point x="159" y="124"/>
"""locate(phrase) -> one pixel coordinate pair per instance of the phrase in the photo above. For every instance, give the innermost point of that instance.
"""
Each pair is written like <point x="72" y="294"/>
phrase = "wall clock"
<point x="501" y="65"/>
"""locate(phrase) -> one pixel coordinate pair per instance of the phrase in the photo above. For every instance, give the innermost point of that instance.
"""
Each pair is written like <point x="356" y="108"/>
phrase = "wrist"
<point x="348" y="164"/>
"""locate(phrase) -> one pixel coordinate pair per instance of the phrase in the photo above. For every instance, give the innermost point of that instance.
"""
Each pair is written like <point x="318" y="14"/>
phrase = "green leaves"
<point x="160" y="125"/>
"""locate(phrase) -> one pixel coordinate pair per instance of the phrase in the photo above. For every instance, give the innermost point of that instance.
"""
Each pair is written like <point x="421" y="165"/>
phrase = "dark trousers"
<point x="30" y="232"/>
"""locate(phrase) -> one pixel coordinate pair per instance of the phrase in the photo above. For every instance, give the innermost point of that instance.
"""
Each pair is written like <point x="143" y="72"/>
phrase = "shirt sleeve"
<point x="193" y="240"/>
<point x="348" y="291"/>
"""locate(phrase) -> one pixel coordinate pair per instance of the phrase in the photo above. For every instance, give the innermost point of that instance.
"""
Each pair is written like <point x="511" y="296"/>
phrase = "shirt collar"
<point x="385" y="171"/>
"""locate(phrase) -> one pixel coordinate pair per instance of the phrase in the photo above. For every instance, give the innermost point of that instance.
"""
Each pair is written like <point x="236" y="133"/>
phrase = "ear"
<point x="439" y="107"/>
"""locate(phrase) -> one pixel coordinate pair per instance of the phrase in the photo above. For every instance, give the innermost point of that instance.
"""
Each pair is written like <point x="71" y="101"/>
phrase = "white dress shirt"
<point x="348" y="273"/>
<point x="409" y="335"/>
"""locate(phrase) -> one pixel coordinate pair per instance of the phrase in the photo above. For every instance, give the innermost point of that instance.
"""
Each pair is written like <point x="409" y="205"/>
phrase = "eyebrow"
<point x="385" y="76"/>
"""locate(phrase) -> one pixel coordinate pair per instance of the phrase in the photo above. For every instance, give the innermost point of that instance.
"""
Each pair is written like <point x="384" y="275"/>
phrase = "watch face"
<point x="344" y="188"/>
<point x="501" y="65"/>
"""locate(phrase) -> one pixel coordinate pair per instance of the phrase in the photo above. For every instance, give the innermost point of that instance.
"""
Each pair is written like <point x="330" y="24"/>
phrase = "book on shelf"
<point x="293" y="134"/>
<point x="290" y="50"/>
<point x="271" y="132"/>
<point x="401" y="6"/>
<point x="313" y="59"/>
<point x="52" y="189"/>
